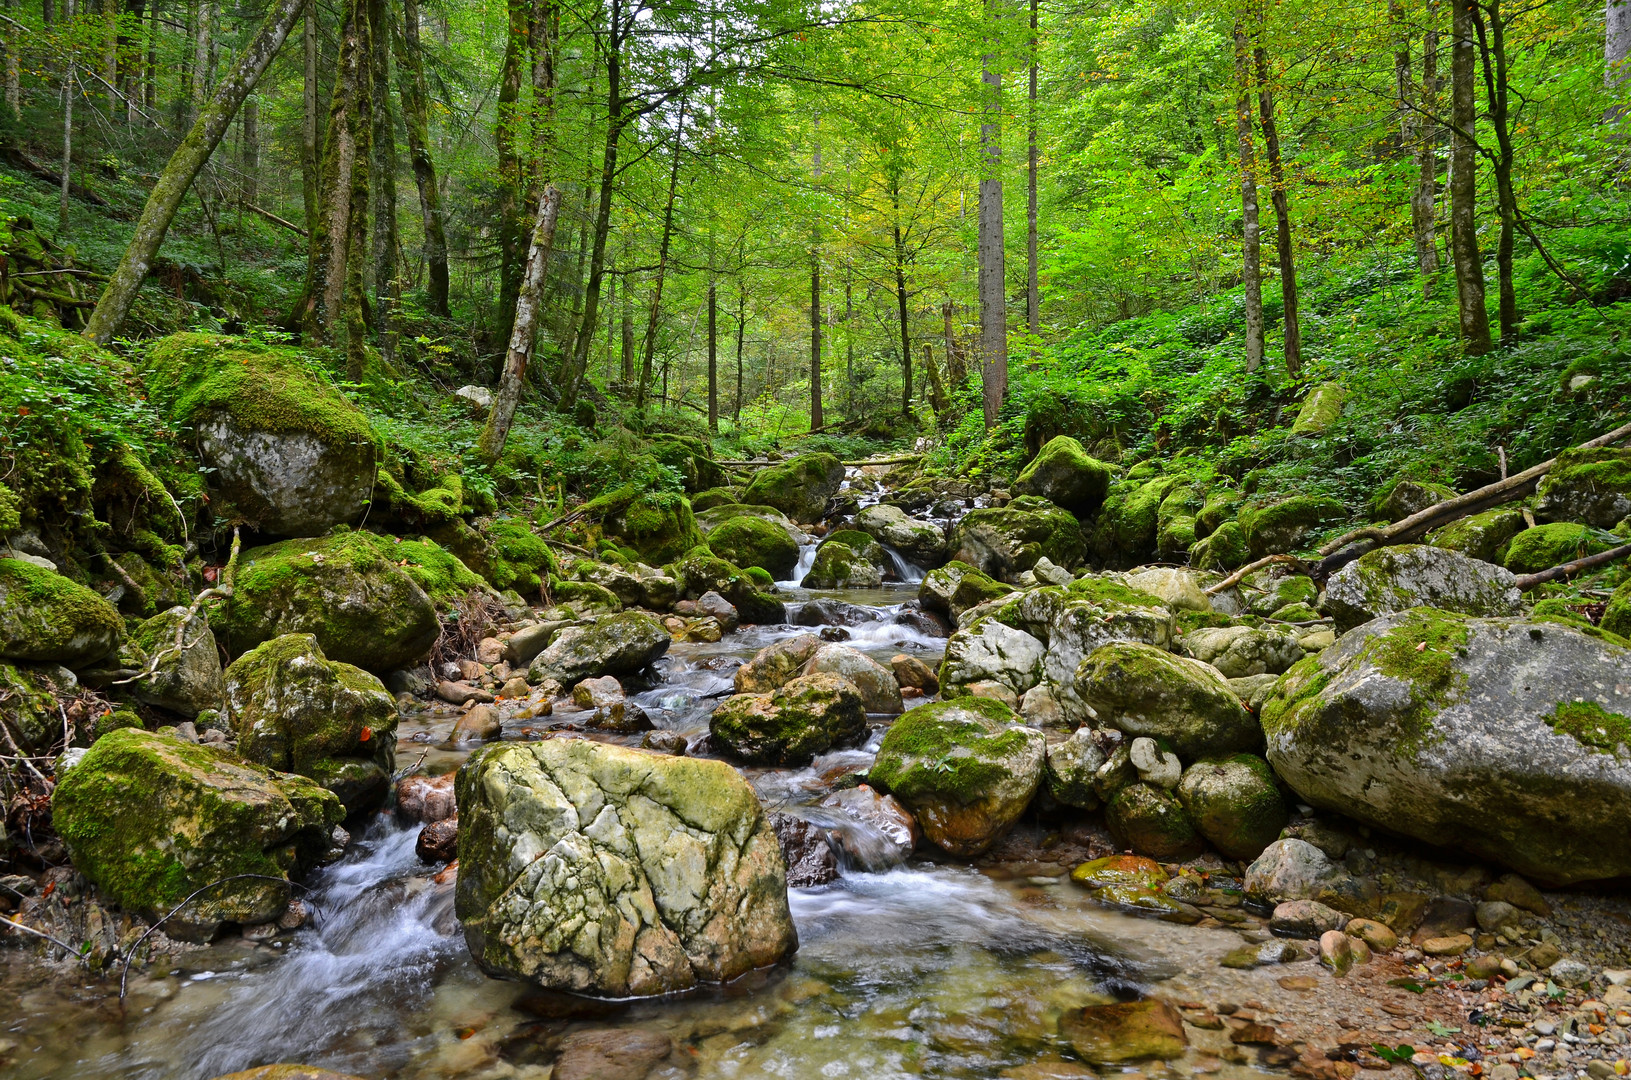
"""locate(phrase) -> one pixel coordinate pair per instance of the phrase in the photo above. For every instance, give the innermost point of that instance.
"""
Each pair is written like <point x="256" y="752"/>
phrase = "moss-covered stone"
<point x="297" y="711"/>
<point x="1617" y="615"/>
<point x="691" y="458"/>
<point x="1004" y="542"/>
<point x="1589" y="724"/>
<point x="1285" y="525"/>
<point x="1221" y="505"/>
<point x="347" y="590"/>
<point x="1235" y="804"/>
<point x="699" y="572"/>
<point x="1175" y="522"/>
<point x="520" y="559"/>
<point x="11" y="507"/>
<point x="1483" y="536"/>
<point x="1592" y="487"/>
<point x="184" y="680"/>
<point x="954" y="588"/>
<point x="1321" y="409"/>
<point x="1145" y="690"/>
<point x="622" y="644"/>
<point x="718" y="496"/>
<point x="29" y="712"/>
<point x="750" y="541"/>
<point x="284" y="447"/>
<point x="1405" y="497"/>
<point x="1065" y="474"/>
<point x="1125" y="532"/>
<point x="1224" y="549"/>
<point x="803" y="717"/>
<point x="1152" y="822"/>
<point x="799" y="487"/>
<point x="1546" y="546"/>
<point x="45" y="617"/>
<point x="839" y="566"/>
<point x="659" y="525"/>
<point x="150" y="819"/>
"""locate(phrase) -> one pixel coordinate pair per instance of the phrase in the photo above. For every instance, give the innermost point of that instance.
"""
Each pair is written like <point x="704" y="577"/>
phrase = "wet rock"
<point x="1336" y="952"/>
<point x="1305" y="919"/>
<point x="1064" y="473"/>
<point x="288" y="1072"/>
<point x="775" y="664"/>
<point x="806" y="716"/>
<point x="1242" y="651"/>
<point x="750" y="541"/>
<point x="183" y="680"/>
<point x="1264" y="955"/>
<point x="838" y="566"/>
<point x="1494" y="735"/>
<point x="918" y="542"/>
<point x="1004" y="542"/>
<point x="480" y="724"/>
<point x="1290" y="869"/>
<point x="657" y="873"/>
<point x="1071" y="770"/>
<point x="622" y="644"/>
<point x="461" y="693"/>
<point x="621" y="718"/>
<point x="956" y="587"/>
<point x="809" y="858"/>
<point x="150" y="820"/>
<point x="880" y="693"/>
<point x="1234" y="803"/>
<point x="966" y="769"/>
<point x="912" y="616"/>
<point x="834" y="633"/>
<point x="991" y="651"/>
<point x="1155" y="767"/>
<point x="824" y="611"/>
<point x="799" y="487"/>
<point x="1130" y="1031"/>
<point x="515" y="688"/>
<point x="1144" y="690"/>
<point x="712" y="605"/>
<point x="883" y="813"/>
<point x="1132" y="870"/>
<point x="438" y="841"/>
<point x="1152" y="822"/>
<point x="910" y="671"/>
<point x="664" y="742"/>
<point x="425" y="798"/>
<point x="529" y="641"/>
<point x="611" y="1054"/>
<point x="595" y="693"/>
<point x="46" y="618"/>
<point x="1395" y="579"/>
<point x="299" y="712"/>
<point x="1378" y="936"/>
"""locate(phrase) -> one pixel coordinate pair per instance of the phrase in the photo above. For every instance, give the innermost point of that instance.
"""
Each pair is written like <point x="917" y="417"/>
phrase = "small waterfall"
<point x="908" y="572"/>
<point x="807" y="555"/>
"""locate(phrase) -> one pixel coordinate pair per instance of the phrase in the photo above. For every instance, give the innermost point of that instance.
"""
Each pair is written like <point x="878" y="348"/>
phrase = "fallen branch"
<point x="22" y="161"/>
<point x="261" y="211"/>
<point x="1569" y="569"/>
<point x="902" y="460"/>
<point x="564" y="519"/>
<point x="1350" y="546"/>
<point x="223" y="591"/>
<point x="1268" y="560"/>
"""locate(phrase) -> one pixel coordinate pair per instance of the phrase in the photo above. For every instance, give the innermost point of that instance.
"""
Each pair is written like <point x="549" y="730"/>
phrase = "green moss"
<point x="759" y="576"/>
<point x="11" y="518"/>
<point x="1101" y="590"/>
<point x="933" y="751"/>
<point x="1201" y="620"/>
<point x="1606" y="468"/>
<point x="1224" y="549"/>
<point x="1283" y="526"/>
<point x="1545" y="546"/>
<point x="1421" y="651"/>
<point x="1126" y="529"/>
<point x="584" y="596"/>
<point x="29" y="714"/>
<point x="659" y="525"/>
<point x="1617" y="616"/>
<point x="1220" y="505"/>
<point x="1589" y="724"/>
<point x="46" y="617"/>
<point x="750" y="541"/>
<point x="799" y="487"/>
<point x="1321" y="409"/>
<point x="1301" y="684"/>
<point x="520" y="559"/>
<point x="719" y="496"/>
<point x="1066" y="474"/>
<point x="434" y="506"/>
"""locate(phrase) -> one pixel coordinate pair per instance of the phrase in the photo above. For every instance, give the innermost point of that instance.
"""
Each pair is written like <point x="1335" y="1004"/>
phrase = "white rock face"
<point x="479" y="396"/>
<point x="992" y="651"/>
<point x="290" y="483"/>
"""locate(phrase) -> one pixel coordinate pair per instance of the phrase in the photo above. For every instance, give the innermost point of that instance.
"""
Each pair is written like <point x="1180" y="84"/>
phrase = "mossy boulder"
<point x="1320" y="409"/>
<point x="708" y="520"/>
<point x="622" y="644"/>
<point x="150" y="819"/>
<point x="1126" y="1031"/>
<point x="597" y="869"/>
<point x="1220" y="506"/>
<point x="966" y="769"/>
<point x="880" y="692"/>
<point x="805" y="716"/>
<point x="1224" y="549"/>
<point x="1482" y="536"/>
<point x="1239" y="652"/>
<point x="1152" y="822"/>
<point x="347" y="590"/>
<point x="519" y="558"/>
<point x="30" y="714"/>
<point x="1235" y="804"/>
<point x="184" y="680"/>
<point x="750" y="541"/>
<point x="1546" y="546"/>
<point x="753" y="597"/>
<point x="1286" y="525"/>
<point x="1065" y="474"/>
<point x="955" y="587"/>
<point x="1004" y="542"/>
<point x="919" y="542"/>
<point x="988" y="650"/>
<point x="1617" y="615"/>
<point x="1125" y="531"/>
<point x="298" y="711"/>
<point x="1398" y="578"/>
<point x="46" y="618"/>
<point x="719" y="496"/>
<point x="798" y="487"/>
<point x="1504" y="737"/>
<point x="658" y="525"/>
<point x="1175" y="526"/>
<point x="1145" y="690"/>
<point x="283" y="446"/>
<point x="691" y="458"/>
<point x="1406" y="497"/>
<point x="839" y="566"/>
<point x="1592" y="487"/>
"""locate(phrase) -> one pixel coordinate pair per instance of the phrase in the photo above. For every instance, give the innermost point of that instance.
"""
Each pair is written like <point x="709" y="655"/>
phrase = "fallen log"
<point x="1569" y="569"/>
<point x="1257" y="564"/>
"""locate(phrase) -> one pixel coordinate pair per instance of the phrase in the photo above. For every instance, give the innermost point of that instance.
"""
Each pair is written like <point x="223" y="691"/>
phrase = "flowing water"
<point x="915" y="970"/>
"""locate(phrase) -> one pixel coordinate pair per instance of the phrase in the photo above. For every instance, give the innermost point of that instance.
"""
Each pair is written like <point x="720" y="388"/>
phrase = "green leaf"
<point x="1408" y="984"/>
<point x="1440" y="1030"/>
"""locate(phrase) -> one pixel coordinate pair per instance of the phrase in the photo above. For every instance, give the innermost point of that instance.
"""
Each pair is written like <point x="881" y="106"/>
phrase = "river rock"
<point x="1129" y="1031"/>
<point x="1394" y="579"/>
<point x="1506" y="738"/>
<point x="425" y="798"/>
<point x="1306" y="919"/>
<point x="298" y="711"/>
<point x="150" y="819"/>
<point x="880" y="693"/>
<point x="594" y="693"/>
<point x="597" y="869"/>
<point x="1178" y="589"/>
<point x="1152" y="822"/>
<point x="1234" y="803"/>
<point x="288" y="1072"/>
<point x="480" y="723"/>
<point x="1409" y="497"/>
<point x="1291" y="869"/>
<point x="184" y="681"/>
<point x="1064" y="473"/>
<point x="991" y="651"/>
<point x="1592" y="487"/>
<point x="805" y="716"/>
<point x="966" y="769"/>
<point x="1143" y="690"/>
<point x="839" y="566"/>
<point x="610" y="1054"/>
<point x="1285" y="525"/>
<point x="1242" y="651"/>
<point x="1071" y="769"/>
<point x="621" y="644"/>
<point x="361" y="606"/>
<point x="45" y="618"/>
<point x="809" y="858"/>
<point x="754" y="598"/>
<point x="918" y="542"/>
<point x="798" y="487"/>
<point x="751" y="541"/>
<point x="775" y="664"/>
<point x="912" y="672"/>
<point x="882" y="813"/>
<point x="1482" y="536"/>
<point x="438" y="841"/>
<point x="956" y="587"/>
<point x="30" y="716"/>
<point x="825" y="611"/>
<point x="1004" y="542"/>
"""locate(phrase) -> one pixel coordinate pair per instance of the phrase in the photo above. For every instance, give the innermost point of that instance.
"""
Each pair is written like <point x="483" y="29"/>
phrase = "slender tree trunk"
<point x="956" y="371"/>
<point x="1492" y="47"/>
<point x="14" y="78"/>
<point x="387" y="286"/>
<point x="1469" y="264"/>
<point x="1425" y="196"/>
<point x="713" y="358"/>
<point x="993" y="276"/>
<point x="648" y="347"/>
<point x="816" y="420"/>
<point x="250" y="150"/>
<point x="1033" y="289"/>
<point x="309" y="164"/>
<point x="523" y="328"/>
<point x="110" y="57"/>
<point x="189" y="158"/>
<point x="1251" y="275"/>
<point x="201" y="57"/>
<point x="1282" y="215"/>
<point x="510" y="127"/>
<point x="1616" y="45"/>
<point x="69" y="77"/>
<point x="345" y="154"/>
<point x="628" y="333"/>
<point x="150" y="85"/>
<point x="356" y="234"/>
<point x="937" y="390"/>
<point x="741" y="333"/>
<point x="416" y="119"/>
<point x="900" y="312"/>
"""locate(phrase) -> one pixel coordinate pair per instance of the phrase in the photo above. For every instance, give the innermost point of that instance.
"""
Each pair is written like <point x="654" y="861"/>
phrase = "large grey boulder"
<point x="1506" y="738"/>
<point x="621" y="644"/>
<point x="798" y="487"/>
<point x="880" y="692"/>
<point x="597" y="869"/>
<point x="1395" y="579"/>
<point x="1006" y="541"/>
<point x="956" y="587"/>
<point x="990" y="651"/>
<point x="805" y="716"/>
<point x="45" y="618"/>
<point x="1242" y="651"/>
<point x="919" y="542"/>
<point x="1143" y="690"/>
<point x="186" y="678"/>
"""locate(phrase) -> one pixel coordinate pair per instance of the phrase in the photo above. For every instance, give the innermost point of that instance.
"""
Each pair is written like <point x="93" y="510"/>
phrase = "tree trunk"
<point x="150" y="84"/>
<point x="523" y="327"/>
<point x="648" y="347"/>
<point x="1282" y="215"/>
<point x="201" y="57"/>
<point x="741" y="333"/>
<point x="190" y="156"/>
<point x="900" y="313"/>
<point x="510" y="126"/>
<point x="816" y="420"/>
<point x="68" y="80"/>
<point x="713" y="359"/>
<point x="628" y="333"/>
<point x="937" y="390"/>
<point x="956" y="371"/>
<point x="1033" y="290"/>
<point x="249" y="148"/>
<point x="1251" y="275"/>
<point x="416" y="118"/>
<point x="309" y="164"/>
<point x="992" y="276"/>
<point x="1425" y="196"/>
<point x="356" y="233"/>
<point x="1492" y="47"/>
<point x="110" y="57"/>
<point x="1469" y="265"/>
<point x="345" y="154"/>
<point x="1616" y="44"/>
<point x="14" y="78"/>
<point x="382" y="173"/>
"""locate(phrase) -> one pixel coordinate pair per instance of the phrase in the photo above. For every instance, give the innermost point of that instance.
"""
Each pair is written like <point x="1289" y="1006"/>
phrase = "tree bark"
<point x="1251" y="275"/>
<point x="816" y="420"/>
<point x="201" y="57"/>
<point x="309" y="164"/>
<point x="507" y="131"/>
<point x="648" y="347"/>
<point x="1282" y="216"/>
<point x="956" y="371"/>
<point x="1033" y="289"/>
<point x="249" y="151"/>
<point x="14" y="78"/>
<point x="713" y="358"/>
<point x="937" y="390"/>
<point x="1616" y="44"/>
<point x="190" y="156"/>
<point x="68" y="79"/>
<point x="1469" y="264"/>
<point x="1492" y="48"/>
<point x="150" y="84"/>
<point x="356" y="233"/>
<point x="1425" y="132"/>
<point x="992" y="276"/>
<point x="382" y="173"/>
<point x="741" y="333"/>
<point x="345" y="155"/>
<point x="522" y="328"/>
<point x="416" y="119"/>
<point x="628" y="333"/>
<point x="900" y="313"/>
